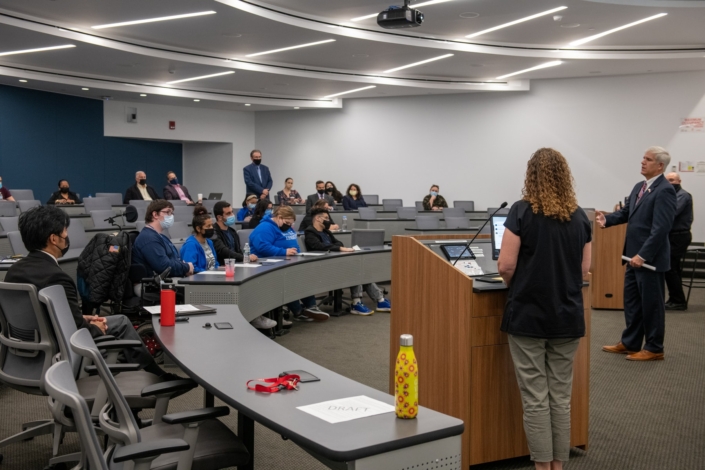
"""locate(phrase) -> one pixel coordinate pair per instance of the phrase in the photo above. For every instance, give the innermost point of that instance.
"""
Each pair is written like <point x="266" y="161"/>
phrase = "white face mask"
<point x="167" y="222"/>
<point x="434" y="193"/>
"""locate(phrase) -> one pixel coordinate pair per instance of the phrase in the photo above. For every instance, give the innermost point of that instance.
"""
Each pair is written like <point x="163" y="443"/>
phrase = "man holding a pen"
<point x="649" y="212"/>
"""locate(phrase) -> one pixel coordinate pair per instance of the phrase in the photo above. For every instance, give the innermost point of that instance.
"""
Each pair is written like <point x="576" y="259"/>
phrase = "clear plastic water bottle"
<point x="246" y="253"/>
<point x="345" y="223"/>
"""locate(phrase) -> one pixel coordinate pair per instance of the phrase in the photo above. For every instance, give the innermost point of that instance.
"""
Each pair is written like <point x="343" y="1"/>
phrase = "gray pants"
<point x="373" y="291"/>
<point x="544" y="370"/>
<point x="121" y="327"/>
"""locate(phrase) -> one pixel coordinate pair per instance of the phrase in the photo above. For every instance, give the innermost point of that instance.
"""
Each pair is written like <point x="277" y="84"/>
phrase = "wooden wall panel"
<point x="607" y="269"/>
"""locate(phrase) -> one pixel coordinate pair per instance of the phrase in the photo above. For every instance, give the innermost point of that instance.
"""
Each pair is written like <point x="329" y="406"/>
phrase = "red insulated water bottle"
<point x="168" y="307"/>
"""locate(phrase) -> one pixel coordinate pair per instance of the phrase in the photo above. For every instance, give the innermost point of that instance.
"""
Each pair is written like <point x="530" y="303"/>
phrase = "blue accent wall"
<point x="45" y="137"/>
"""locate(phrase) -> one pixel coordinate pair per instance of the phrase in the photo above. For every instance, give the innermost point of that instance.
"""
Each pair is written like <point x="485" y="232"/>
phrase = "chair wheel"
<point x="56" y="466"/>
<point x="0" y="458"/>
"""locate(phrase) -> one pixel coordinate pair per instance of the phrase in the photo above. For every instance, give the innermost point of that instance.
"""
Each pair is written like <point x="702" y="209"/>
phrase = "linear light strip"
<point x="154" y="20"/>
<point x="200" y="78"/>
<point x="292" y="47"/>
<point x="538" y="67"/>
<point x="418" y="5"/>
<point x="39" y="49"/>
<point x="596" y="36"/>
<point x="418" y="63"/>
<point x="512" y="23"/>
<point x="350" y="91"/>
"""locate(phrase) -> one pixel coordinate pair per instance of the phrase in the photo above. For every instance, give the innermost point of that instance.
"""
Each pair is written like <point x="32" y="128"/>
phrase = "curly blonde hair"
<point x="548" y="186"/>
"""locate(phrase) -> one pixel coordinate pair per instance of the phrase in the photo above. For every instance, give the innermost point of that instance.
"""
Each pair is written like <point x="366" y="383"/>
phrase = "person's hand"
<point x="600" y="219"/>
<point x="436" y="208"/>
<point x="190" y="268"/>
<point x="334" y="227"/>
<point x="102" y="326"/>
<point x="346" y="250"/>
<point x="191" y="203"/>
<point x="95" y="318"/>
<point x="253" y="257"/>
<point x="265" y="192"/>
<point x="263" y="196"/>
<point x="430" y="201"/>
<point x="291" y="251"/>
<point x="636" y="262"/>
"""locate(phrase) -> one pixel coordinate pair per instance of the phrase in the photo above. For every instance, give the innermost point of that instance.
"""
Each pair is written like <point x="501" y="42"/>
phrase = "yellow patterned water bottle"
<point x="406" y="380"/>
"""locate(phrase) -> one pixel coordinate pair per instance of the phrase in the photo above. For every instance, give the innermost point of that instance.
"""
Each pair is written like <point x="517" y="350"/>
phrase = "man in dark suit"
<point x="140" y="191"/>
<point x="174" y="191"/>
<point x="44" y="233"/>
<point x="649" y="213"/>
<point x="320" y="194"/>
<point x="679" y="238"/>
<point x="258" y="179"/>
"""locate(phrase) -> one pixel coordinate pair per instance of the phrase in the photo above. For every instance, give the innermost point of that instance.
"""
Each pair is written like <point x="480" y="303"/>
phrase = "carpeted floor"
<point x="643" y="416"/>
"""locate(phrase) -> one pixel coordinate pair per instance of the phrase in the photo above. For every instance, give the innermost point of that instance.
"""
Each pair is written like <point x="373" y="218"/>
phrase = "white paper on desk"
<point x="212" y="272"/>
<point x="477" y="251"/>
<point x="310" y="253"/>
<point x="248" y="265"/>
<point x="347" y="409"/>
<point x="270" y="260"/>
<point x="157" y="309"/>
<point x="647" y="266"/>
<point x="357" y="248"/>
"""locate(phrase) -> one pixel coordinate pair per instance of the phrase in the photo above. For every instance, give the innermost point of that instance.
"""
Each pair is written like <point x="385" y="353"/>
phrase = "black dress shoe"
<point x="672" y="306"/>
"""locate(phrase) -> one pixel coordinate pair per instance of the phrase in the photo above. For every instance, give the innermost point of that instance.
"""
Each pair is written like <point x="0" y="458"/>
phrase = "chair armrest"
<point x="102" y="339"/>
<point x="120" y="344"/>
<point x="172" y="386"/>
<point x="195" y="416"/>
<point x="114" y="368"/>
<point x="143" y="450"/>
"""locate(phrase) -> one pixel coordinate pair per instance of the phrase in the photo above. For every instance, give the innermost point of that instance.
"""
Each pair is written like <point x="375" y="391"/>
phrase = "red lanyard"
<point x="285" y="382"/>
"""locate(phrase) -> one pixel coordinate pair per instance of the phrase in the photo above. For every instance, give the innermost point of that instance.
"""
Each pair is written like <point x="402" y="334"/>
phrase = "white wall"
<point x="203" y="169"/>
<point x="476" y="145"/>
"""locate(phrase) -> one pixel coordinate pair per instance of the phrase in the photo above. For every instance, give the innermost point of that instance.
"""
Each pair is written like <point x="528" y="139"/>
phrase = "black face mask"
<point x="677" y="187"/>
<point x="257" y="162"/>
<point x="64" y="190"/>
<point x="68" y="245"/>
<point x="329" y="190"/>
<point x="143" y="181"/>
<point x="174" y="181"/>
<point x="285" y="227"/>
<point x="209" y="232"/>
<point x="326" y="224"/>
<point x="321" y="192"/>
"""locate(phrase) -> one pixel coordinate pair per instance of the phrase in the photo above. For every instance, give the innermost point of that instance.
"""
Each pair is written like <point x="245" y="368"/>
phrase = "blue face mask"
<point x="434" y="193"/>
<point x="0" y="184"/>
<point x="268" y="212"/>
<point x="251" y="206"/>
<point x="174" y="181"/>
<point x="230" y="221"/>
<point x="167" y="222"/>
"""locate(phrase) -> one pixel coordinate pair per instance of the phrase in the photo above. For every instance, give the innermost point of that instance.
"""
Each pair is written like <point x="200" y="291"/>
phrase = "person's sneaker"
<point x="286" y="322"/>
<point x="302" y="317"/>
<point x="316" y="314"/>
<point x="263" y="323"/>
<point x="384" y="306"/>
<point x="360" y="309"/>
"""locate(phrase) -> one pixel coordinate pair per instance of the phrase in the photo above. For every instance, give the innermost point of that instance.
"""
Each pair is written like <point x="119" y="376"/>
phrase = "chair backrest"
<point x="141" y="212"/>
<point x="487" y="229"/>
<point x="27" y="204"/>
<point x="96" y="204"/>
<point x="183" y="214"/>
<point x="365" y="237"/>
<point x="453" y="212"/>
<point x="391" y="204"/>
<point x="297" y="222"/>
<point x="427" y="222"/>
<point x="17" y="244"/>
<point x="27" y="344"/>
<point x="244" y="236"/>
<point x="457" y="222"/>
<point x="467" y="205"/>
<point x="178" y="202"/>
<point x="406" y="212"/>
<point x="276" y="199"/>
<point x="419" y="205"/>
<point x="367" y="212"/>
<point x="77" y="236"/>
<point x="490" y="210"/>
<point x="61" y="386"/>
<point x="61" y="317"/>
<point x="180" y="230"/>
<point x="139" y="203"/>
<point x="140" y="225"/>
<point x="114" y="198"/>
<point x="371" y="198"/>
<point x="22" y="194"/>
<point x="100" y="216"/>
<point x="8" y="209"/>
<point x="302" y="243"/>
<point x="9" y="224"/>
<point x="209" y="204"/>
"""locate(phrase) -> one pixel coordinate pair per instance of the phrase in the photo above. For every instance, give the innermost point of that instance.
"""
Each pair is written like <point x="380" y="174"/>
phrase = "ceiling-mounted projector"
<point x="400" y="17"/>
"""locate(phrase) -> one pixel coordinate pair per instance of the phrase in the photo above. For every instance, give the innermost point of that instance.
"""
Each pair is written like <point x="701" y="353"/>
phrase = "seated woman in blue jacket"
<point x="275" y="237"/>
<point x="198" y="249"/>
<point x="353" y="199"/>
<point x="248" y="208"/>
<point x="154" y="250"/>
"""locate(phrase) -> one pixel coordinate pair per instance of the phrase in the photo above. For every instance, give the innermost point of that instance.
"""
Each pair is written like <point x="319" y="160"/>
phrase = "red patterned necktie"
<point x="641" y="193"/>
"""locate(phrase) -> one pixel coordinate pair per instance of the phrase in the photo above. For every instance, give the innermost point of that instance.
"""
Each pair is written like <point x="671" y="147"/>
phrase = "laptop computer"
<point x="215" y="196"/>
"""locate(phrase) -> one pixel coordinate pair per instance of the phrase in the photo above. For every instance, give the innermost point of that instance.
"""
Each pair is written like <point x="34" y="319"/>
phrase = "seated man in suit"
<point x="140" y="190"/>
<point x="174" y="191"/>
<point x="258" y="179"/>
<point x="44" y="233"/>
<point x="307" y="221"/>
<point x="64" y="195"/>
<point x="320" y="194"/>
<point x="318" y="237"/>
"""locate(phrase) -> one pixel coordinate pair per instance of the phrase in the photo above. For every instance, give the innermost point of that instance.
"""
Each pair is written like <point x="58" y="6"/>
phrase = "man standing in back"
<point x="679" y="238"/>
<point x="649" y="212"/>
<point x="258" y="179"/>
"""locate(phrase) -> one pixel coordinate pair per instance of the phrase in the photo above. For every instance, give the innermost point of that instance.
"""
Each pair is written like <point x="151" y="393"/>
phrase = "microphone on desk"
<point x="467" y="247"/>
<point x="130" y="215"/>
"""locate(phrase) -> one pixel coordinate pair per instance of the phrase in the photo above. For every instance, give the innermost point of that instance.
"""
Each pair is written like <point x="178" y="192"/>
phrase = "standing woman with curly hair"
<point x="544" y="256"/>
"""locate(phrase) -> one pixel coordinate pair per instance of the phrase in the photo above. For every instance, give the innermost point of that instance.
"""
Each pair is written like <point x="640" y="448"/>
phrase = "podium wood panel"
<point x="607" y="269"/>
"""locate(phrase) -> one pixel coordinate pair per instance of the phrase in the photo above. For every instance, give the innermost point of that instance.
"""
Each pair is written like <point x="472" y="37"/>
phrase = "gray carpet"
<point x="643" y="416"/>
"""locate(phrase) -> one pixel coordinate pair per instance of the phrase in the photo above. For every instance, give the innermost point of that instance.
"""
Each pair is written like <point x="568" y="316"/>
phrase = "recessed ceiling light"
<point x="196" y="101"/>
<point x="512" y="23"/>
<point x="538" y="67"/>
<point x="201" y="77"/>
<point x="231" y="35"/>
<point x="416" y="5"/>
<point x="296" y="107"/>
<point x="248" y="104"/>
<point x="85" y="89"/>
<point x="39" y="49"/>
<point x="469" y="15"/>
<point x="142" y="94"/>
<point x="350" y="91"/>
<point x="597" y="36"/>
<point x="418" y="63"/>
<point x="290" y="48"/>
<point x="595" y="72"/>
<point x="360" y="56"/>
<point x="153" y="20"/>
<point x="570" y="25"/>
<point x="23" y="81"/>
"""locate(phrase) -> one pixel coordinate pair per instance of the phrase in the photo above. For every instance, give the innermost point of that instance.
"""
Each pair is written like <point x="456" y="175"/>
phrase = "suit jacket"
<point x="313" y="198"/>
<point x="253" y="185"/>
<point x="171" y="194"/>
<point x="133" y="193"/>
<point x="314" y="241"/>
<point x="684" y="211"/>
<point x="649" y="223"/>
<point x="42" y="271"/>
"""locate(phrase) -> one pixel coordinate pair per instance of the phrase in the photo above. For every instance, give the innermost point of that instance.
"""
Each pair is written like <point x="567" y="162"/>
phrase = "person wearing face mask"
<point x="289" y="195"/>
<point x="679" y="238"/>
<point x="353" y="199"/>
<point x="275" y="237"/>
<point x="434" y="201"/>
<point x="198" y="249"/>
<point x="154" y="250"/>
<point x="307" y="221"/>
<point x="258" y="179"/>
<point x="263" y="209"/>
<point x="175" y="191"/>
<point x="333" y="192"/>
<point x="320" y="194"/>
<point x="44" y="232"/>
<point x="5" y="194"/>
<point x="140" y="191"/>
<point x="248" y="208"/>
<point x="64" y="195"/>
<point x="227" y="241"/>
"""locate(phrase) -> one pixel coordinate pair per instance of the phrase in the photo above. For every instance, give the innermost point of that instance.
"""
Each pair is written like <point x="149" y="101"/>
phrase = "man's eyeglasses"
<point x="167" y="212"/>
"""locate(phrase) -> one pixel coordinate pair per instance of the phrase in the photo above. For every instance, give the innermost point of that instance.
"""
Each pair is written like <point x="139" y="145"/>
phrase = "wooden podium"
<point x="465" y="368"/>
<point x="607" y="282"/>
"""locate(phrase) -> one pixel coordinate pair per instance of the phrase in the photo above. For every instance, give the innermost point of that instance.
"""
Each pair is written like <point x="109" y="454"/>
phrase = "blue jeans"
<point x="296" y="308"/>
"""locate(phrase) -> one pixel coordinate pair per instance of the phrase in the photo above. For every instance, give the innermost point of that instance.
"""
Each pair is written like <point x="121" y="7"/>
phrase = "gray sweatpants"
<point x="544" y="370"/>
<point x="373" y="291"/>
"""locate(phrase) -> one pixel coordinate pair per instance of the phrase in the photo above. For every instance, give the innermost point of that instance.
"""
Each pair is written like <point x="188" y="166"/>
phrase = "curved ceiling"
<point x="357" y="55"/>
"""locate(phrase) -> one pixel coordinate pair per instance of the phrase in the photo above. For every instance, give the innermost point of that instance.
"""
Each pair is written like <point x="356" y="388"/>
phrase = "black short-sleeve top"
<point x="545" y="294"/>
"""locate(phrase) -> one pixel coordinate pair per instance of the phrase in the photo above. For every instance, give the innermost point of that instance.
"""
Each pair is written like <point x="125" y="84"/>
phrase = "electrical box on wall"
<point x="131" y="114"/>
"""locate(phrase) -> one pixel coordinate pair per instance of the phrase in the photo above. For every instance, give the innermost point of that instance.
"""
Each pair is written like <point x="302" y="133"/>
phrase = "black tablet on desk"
<point x="452" y="252"/>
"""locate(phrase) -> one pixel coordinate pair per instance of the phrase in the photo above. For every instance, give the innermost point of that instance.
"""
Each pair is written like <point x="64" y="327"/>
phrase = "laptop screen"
<point x="497" y="234"/>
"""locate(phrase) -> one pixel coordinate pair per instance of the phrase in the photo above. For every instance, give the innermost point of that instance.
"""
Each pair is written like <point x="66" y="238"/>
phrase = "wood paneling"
<point x="607" y="269"/>
<point x="485" y="331"/>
